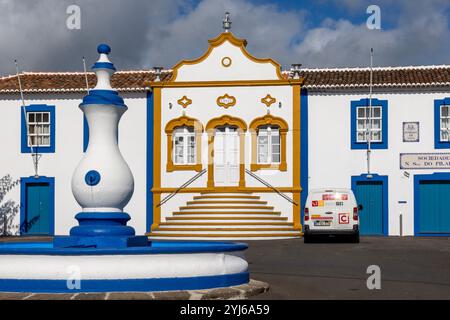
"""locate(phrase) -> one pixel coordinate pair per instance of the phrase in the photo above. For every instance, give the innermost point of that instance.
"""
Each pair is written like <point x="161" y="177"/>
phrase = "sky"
<point x="148" y="33"/>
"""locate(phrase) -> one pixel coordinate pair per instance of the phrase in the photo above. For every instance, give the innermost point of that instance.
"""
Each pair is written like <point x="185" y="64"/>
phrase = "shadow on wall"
<point x="9" y="208"/>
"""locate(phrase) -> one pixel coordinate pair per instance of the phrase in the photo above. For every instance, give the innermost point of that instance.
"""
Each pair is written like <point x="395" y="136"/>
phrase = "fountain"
<point x="102" y="253"/>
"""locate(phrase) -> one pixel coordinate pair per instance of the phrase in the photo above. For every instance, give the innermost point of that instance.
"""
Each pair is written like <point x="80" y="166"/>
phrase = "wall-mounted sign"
<point x="424" y="160"/>
<point x="410" y="131"/>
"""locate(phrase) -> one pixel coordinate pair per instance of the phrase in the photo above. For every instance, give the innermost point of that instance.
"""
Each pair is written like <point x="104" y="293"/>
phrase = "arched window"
<point x="268" y="143"/>
<point x="184" y="136"/>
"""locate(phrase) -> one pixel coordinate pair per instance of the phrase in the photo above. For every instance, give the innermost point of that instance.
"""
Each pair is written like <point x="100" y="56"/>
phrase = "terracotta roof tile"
<point x="313" y="78"/>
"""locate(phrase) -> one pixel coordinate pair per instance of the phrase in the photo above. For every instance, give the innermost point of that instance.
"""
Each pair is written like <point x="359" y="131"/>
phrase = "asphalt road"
<point x="410" y="268"/>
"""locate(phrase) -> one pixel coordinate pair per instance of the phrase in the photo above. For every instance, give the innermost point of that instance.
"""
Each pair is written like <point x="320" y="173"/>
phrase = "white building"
<point x="250" y="139"/>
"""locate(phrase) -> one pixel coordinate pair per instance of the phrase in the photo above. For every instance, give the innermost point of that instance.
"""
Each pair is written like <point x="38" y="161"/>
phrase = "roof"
<point x="137" y="80"/>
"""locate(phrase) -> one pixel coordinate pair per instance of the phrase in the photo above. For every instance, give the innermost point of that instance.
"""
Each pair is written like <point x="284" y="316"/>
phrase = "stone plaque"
<point x="410" y="131"/>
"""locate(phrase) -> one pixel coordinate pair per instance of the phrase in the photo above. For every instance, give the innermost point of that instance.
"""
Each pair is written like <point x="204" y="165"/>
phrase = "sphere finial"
<point x="103" y="48"/>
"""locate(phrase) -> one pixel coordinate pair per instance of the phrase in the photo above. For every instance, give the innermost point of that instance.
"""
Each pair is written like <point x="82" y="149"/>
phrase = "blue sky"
<point x="143" y="34"/>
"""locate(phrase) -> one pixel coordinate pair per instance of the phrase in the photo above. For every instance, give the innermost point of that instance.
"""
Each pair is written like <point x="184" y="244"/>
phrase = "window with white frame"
<point x="268" y="146"/>
<point x="445" y="123"/>
<point x="369" y="120"/>
<point x="184" y="145"/>
<point x="39" y="124"/>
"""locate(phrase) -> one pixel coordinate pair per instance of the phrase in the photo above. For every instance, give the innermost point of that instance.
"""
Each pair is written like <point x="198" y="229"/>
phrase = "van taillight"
<point x="306" y="214"/>
<point x="355" y="213"/>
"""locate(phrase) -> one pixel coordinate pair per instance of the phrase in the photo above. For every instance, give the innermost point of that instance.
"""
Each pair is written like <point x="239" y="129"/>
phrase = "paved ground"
<point x="411" y="268"/>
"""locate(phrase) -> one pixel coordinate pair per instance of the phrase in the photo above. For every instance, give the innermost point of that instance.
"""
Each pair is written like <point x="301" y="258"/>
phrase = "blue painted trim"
<point x="102" y="224"/>
<point x="103" y="65"/>
<point x="103" y="48"/>
<point x="384" y="127"/>
<point x="438" y="144"/>
<point x="418" y="178"/>
<point x="85" y="133"/>
<point x="154" y="247"/>
<point x="108" y="97"/>
<point x="24" y="139"/>
<point x="123" y="285"/>
<point x="304" y="163"/>
<point x="23" y="201"/>
<point x="385" y="185"/>
<point x="149" y="162"/>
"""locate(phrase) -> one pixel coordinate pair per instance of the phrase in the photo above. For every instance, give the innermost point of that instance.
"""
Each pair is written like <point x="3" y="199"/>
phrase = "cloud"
<point x="162" y="32"/>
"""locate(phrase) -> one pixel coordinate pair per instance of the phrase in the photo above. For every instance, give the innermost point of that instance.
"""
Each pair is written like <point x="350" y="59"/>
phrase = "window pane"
<point x="376" y="112"/>
<point x="445" y="123"/>
<point x="361" y="112"/>
<point x="444" y="136"/>
<point x="376" y="124"/>
<point x="30" y="117"/>
<point x="46" y="129"/>
<point x="46" y="140"/>
<point x="38" y="117"/>
<point x="361" y="124"/>
<point x="361" y="137"/>
<point x="276" y="139"/>
<point x="276" y="158"/>
<point x="46" y="117"/>
<point x="376" y="136"/>
<point x="444" y="111"/>
<point x="32" y="129"/>
<point x="275" y="148"/>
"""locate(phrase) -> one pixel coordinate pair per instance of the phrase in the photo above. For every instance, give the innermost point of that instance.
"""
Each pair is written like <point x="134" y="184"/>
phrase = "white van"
<point x="331" y="212"/>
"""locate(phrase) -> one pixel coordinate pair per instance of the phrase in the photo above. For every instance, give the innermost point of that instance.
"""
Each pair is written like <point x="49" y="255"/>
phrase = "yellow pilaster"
<point x="296" y="153"/>
<point x="157" y="156"/>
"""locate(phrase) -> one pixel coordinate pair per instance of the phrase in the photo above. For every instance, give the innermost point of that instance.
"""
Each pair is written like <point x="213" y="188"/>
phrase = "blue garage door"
<point x="370" y="195"/>
<point x="434" y="206"/>
<point x="37" y="211"/>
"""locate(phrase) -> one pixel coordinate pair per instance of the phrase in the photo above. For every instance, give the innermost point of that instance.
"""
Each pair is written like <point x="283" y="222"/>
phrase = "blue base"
<point x="126" y="285"/>
<point x="101" y="230"/>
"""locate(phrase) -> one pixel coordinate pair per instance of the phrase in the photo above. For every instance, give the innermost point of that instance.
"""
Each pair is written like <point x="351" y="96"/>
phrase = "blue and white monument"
<point x="102" y="253"/>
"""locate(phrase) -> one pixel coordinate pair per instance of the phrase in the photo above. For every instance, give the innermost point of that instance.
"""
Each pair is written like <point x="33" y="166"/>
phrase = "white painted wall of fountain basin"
<point x="69" y="150"/>
<point x="332" y="162"/>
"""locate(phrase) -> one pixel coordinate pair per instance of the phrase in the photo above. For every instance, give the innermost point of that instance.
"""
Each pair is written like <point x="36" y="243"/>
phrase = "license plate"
<point x="322" y="223"/>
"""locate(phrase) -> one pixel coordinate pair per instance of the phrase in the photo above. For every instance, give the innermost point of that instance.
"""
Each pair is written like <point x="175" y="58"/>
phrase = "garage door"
<point x="434" y="207"/>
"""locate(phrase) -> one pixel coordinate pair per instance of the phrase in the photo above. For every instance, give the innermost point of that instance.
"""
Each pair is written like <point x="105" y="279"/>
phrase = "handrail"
<point x="184" y="185"/>
<point x="270" y="186"/>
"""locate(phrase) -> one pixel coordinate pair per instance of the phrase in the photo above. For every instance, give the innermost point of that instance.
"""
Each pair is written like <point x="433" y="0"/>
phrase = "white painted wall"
<point x="332" y="162"/>
<point x="69" y="150"/>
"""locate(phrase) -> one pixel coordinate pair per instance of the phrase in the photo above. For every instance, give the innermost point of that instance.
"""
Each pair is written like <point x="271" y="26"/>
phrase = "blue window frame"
<point x="41" y="133"/>
<point x="442" y="123"/>
<point x="360" y="121"/>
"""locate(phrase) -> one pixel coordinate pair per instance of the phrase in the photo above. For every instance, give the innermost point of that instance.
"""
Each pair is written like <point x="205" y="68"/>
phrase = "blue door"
<point x="37" y="210"/>
<point x="369" y="194"/>
<point x="434" y="206"/>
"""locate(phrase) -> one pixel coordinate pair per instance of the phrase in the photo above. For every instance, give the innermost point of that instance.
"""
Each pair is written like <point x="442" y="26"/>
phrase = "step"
<point x="191" y="207"/>
<point x="208" y="193"/>
<point x="196" y="202"/>
<point x="227" y="235"/>
<point x="215" y="218"/>
<point x="265" y="223"/>
<point x="226" y="197"/>
<point x="226" y="229"/>
<point x="264" y="213"/>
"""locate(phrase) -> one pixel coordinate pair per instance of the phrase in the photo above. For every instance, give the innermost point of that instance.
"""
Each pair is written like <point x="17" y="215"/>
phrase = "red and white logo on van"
<point x="315" y="203"/>
<point x="344" y="218"/>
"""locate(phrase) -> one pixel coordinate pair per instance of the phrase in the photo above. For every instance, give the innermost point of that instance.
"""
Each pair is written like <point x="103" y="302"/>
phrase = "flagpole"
<point x="369" y="135"/>
<point x="34" y="155"/>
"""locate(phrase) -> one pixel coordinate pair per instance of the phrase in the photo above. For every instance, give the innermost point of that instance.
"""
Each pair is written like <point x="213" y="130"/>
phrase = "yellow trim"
<point x="210" y="129"/>
<point x="213" y="43"/>
<point x="157" y="156"/>
<point x="198" y="130"/>
<point x="226" y="64"/>
<point x="184" y="101"/>
<point x="226" y="105"/>
<point x="283" y="126"/>
<point x="228" y="83"/>
<point x="268" y="100"/>
<point x="296" y="154"/>
<point x="227" y="190"/>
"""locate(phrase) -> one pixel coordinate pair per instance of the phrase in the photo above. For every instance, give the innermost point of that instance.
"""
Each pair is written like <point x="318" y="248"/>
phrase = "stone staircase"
<point x="225" y="216"/>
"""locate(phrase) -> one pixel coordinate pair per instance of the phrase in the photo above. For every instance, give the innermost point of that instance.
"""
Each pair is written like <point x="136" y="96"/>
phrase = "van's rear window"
<point x="335" y="196"/>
